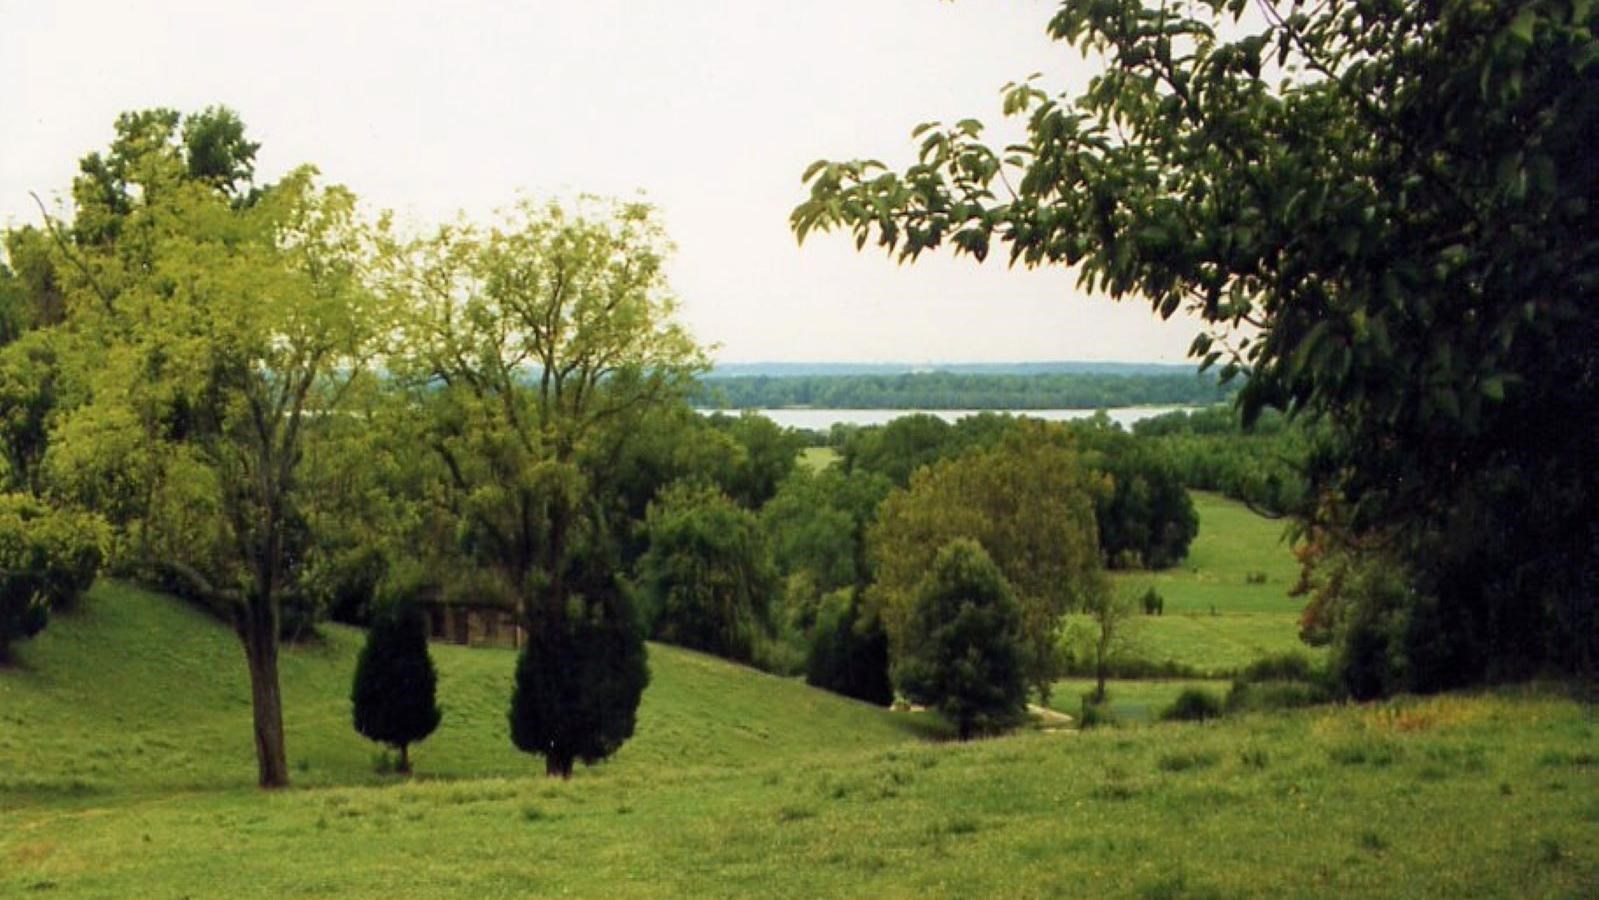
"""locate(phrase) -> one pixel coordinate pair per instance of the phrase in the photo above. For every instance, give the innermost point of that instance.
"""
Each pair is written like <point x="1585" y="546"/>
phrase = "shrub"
<point x="1194" y="705"/>
<point x="1154" y="604"/>
<point x="1096" y="713"/>
<point x="48" y="558"/>
<point x="395" y="690"/>
<point x="1271" y="695"/>
<point x="1289" y="666"/>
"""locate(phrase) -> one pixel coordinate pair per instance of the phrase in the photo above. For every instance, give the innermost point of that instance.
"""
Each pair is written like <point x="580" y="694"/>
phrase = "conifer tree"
<point x="580" y="675"/>
<point x="963" y="653"/>
<point x="395" y="682"/>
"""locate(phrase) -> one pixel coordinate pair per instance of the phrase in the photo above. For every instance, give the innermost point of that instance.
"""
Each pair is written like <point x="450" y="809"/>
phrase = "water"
<point x="810" y="419"/>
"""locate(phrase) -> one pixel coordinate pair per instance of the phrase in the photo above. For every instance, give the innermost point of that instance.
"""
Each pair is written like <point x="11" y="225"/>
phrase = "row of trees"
<point x="949" y="390"/>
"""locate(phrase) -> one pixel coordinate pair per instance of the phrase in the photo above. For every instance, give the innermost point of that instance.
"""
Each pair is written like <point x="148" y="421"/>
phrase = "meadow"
<point x="126" y="768"/>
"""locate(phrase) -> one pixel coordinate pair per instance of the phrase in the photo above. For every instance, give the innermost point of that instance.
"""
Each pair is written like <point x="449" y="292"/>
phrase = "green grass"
<point x="817" y="458"/>
<point x="137" y="693"/>
<point x="1217" y="618"/>
<point x="740" y="784"/>
<point x="126" y="770"/>
<point x="1132" y="701"/>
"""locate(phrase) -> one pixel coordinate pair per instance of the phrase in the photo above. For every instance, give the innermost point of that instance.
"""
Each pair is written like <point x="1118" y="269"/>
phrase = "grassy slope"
<point x="817" y="458"/>
<point x="1215" y="620"/>
<point x="740" y="784"/>
<point x="124" y="765"/>
<point x="137" y="693"/>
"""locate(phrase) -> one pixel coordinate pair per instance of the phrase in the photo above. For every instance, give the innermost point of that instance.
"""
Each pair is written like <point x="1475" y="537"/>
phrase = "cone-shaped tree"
<point x="395" y="682"/>
<point x="963" y="652"/>
<point x="581" y="675"/>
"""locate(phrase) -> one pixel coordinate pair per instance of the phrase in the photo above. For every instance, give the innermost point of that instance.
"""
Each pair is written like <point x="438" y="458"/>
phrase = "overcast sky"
<point x="711" y="109"/>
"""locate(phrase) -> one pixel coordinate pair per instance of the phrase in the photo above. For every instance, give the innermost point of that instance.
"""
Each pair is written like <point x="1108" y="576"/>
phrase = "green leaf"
<point x="1522" y="26"/>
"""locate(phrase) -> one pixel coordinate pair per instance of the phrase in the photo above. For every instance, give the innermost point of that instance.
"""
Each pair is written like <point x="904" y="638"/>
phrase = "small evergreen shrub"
<point x="581" y="674"/>
<point x="395" y="690"/>
<point x="1194" y="705"/>
<point x="1154" y="604"/>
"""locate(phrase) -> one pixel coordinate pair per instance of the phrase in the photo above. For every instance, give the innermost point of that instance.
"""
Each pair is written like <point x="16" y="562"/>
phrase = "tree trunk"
<point x="405" y="759"/>
<point x="266" y="699"/>
<point x="557" y="765"/>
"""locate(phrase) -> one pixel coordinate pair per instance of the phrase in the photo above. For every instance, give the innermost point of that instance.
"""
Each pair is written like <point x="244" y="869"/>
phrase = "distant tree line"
<point x="947" y="390"/>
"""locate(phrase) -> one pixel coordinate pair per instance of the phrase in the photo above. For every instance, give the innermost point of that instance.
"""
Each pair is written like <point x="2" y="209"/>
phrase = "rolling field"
<point x="1218" y="619"/>
<point x="126" y="770"/>
<point x="137" y="693"/>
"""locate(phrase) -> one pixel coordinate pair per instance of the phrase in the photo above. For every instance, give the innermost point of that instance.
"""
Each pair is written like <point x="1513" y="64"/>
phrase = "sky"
<point x="711" y="109"/>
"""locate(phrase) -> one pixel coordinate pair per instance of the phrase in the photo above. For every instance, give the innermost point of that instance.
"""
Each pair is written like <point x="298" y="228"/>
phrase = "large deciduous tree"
<point x="708" y="577"/>
<point x="213" y="325"/>
<point x="533" y="348"/>
<point x="1029" y="503"/>
<point x="1386" y="211"/>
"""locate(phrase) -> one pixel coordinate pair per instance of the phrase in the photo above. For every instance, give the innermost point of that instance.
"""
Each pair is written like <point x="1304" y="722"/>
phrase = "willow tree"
<point x="532" y="348"/>
<point x="212" y="334"/>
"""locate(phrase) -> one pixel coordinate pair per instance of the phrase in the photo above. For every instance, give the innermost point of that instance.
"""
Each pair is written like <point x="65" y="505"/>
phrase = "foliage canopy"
<point x="1384" y="210"/>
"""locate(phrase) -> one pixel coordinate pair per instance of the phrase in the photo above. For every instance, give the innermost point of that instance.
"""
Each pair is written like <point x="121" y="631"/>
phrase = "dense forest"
<point x="962" y="390"/>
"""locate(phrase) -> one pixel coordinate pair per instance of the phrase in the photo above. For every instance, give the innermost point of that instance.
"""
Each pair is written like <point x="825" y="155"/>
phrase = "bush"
<point x="1289" y="666"/>
<point x="48" y="558"/>
<point x="849" y="654"/>
<point x="963" y="643"/>
<point x="395" y="689"/>
<point x="1096" y="714"/>
<point x="1265" y="696"/>
<point x="1193" y="705"/>
<point x="1154" y="604"/>
<point x="581" y="674"/>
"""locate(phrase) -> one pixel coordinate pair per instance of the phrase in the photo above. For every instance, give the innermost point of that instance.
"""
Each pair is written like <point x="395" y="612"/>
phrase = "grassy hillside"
<point x="1227" y="604"/>
<point x="741" y="784"/>
<point x="139" y="693"/>
<point x="126" y="770"/>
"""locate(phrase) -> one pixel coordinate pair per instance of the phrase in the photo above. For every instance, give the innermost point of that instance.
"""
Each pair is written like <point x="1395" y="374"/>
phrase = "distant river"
<point x="823" y="419"/>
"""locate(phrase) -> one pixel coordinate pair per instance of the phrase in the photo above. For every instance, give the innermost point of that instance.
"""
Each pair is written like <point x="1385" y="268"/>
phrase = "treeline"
<point x="1263" y="466"/>
<point x="257" y="397"/>
<point x="950" y="390"/>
